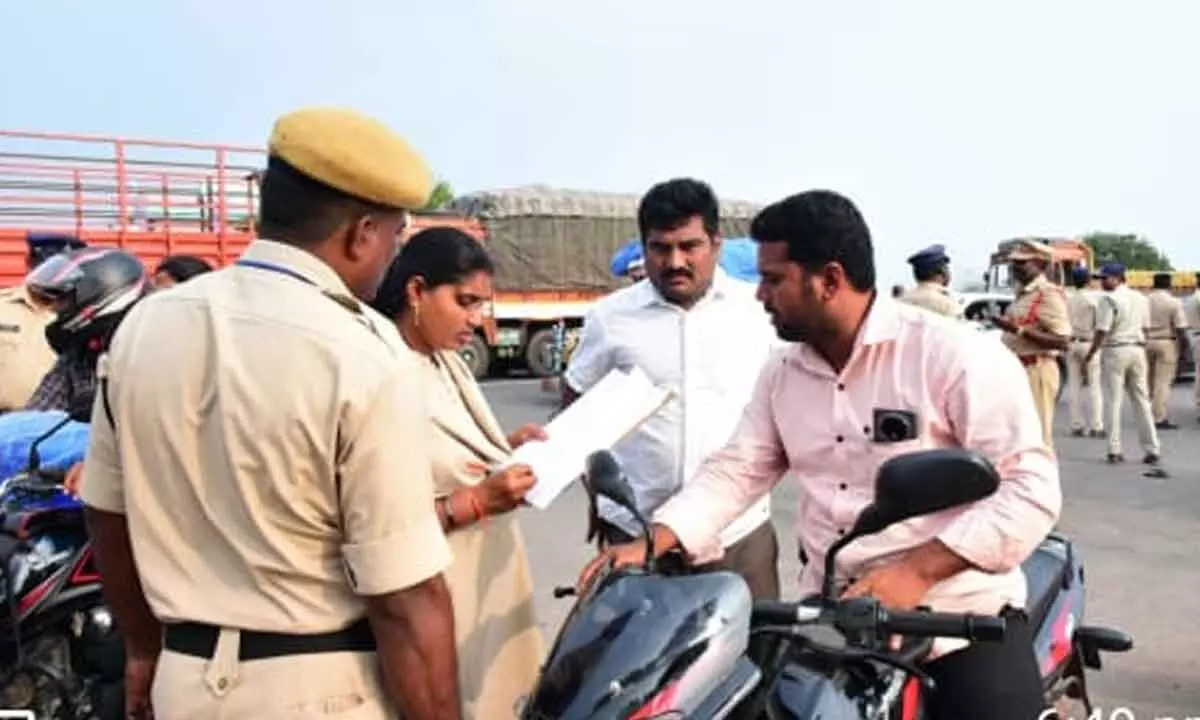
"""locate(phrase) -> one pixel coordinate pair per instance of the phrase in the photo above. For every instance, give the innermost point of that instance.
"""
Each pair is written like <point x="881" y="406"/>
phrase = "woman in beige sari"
<point x="436" y="291"/>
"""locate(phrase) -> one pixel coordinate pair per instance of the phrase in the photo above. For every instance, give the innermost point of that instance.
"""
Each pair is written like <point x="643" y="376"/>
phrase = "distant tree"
<point x="442" y="195"/>
<point x="1132" y="251"/>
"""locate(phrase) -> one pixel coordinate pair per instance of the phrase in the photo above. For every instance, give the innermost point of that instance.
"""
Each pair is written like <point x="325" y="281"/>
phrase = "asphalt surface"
<point x="1134" y="534"/>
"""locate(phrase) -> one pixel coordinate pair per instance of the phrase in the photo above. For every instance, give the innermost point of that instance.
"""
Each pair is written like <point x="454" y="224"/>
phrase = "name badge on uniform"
<point x="10" y="328"/>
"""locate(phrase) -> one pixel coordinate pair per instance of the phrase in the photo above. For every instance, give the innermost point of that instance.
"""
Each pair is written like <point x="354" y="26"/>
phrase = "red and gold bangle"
<point x="476" y="506"/>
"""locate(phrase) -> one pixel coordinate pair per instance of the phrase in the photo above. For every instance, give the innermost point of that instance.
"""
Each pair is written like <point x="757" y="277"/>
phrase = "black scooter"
<point x="644" y="643"/>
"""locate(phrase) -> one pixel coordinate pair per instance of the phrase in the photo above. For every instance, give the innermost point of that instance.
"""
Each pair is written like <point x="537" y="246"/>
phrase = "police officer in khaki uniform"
<point x="1122" y="317"/>
<point x="932" y="272"/>
<point x="1081" y="371"/>
<point x="1192" y="311"/>
<point x="260" y="445"/>
<point x="1166" y="340"/>
<point x="1037" y="327"/>
<point x="25" y="355"/>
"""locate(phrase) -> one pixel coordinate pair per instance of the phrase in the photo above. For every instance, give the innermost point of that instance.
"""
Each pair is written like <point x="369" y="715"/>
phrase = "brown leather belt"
<point x="1029" y="360"/>
<point x="200" y="640"/>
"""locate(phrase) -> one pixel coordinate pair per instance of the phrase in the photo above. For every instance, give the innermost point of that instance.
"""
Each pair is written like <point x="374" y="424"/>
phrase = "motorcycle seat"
<point x="1045" y="572"/>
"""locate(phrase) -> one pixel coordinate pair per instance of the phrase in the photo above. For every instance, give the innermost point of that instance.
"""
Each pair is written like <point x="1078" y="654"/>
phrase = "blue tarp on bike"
<point x="738" y="258"/>
<point x="19" y="429"/>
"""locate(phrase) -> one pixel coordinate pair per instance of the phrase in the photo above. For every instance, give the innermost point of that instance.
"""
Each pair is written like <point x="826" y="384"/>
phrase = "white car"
<point x="979" y="307"/>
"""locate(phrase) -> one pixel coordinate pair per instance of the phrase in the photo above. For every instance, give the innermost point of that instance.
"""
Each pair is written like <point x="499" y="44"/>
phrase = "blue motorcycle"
<point x="61" y="656"/>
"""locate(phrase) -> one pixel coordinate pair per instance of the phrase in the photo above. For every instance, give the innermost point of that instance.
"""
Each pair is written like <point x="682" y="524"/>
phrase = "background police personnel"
<point x="25" y="355"/>
<point x="1037" y="327"/>
<point x="1192" y="308"/>
<point x="1082" y="371"/>
<point x="1166" y="340"/>
<point x="1122" y="317"/>
<point x="932" y="272"/>
<point x="266" y="461"/>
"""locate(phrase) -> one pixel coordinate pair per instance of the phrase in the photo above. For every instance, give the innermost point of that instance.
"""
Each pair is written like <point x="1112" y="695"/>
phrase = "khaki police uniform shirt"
<point x="271" y="451"/>
<point x="1166" y="315"/>
<point x="1191" y="309"/>
<point x="1124" y="315"/>
<point x="1042" y="305"/>
<point x="1081" y="308"/>
<point x="25" y="356"/>
<point x="934" y="297"/>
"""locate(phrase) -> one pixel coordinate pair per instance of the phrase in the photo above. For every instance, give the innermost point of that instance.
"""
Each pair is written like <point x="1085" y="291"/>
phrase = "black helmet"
<point x="91" y="290"/>
<point x="45" y="245"/>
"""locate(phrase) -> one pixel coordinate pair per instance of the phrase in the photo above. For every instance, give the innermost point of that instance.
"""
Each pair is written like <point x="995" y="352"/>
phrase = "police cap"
<point x="1112" y="270"/>
<point x="931" y="256"/>
<point x="352" y="153"/>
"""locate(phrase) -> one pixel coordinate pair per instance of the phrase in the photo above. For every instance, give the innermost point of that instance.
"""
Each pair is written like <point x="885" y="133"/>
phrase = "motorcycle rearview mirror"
<point x="916" y="484"/>
<point x="603" y="477"/>
<point x="35" y="460"/>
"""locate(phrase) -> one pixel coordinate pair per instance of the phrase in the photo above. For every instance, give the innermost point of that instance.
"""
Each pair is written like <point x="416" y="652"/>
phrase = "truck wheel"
<point x="539" y="353"/>
<point x="477" y="357"/>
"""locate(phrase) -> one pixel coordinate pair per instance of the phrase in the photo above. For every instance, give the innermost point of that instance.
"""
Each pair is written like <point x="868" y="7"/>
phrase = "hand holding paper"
<point x="597" y="420"/>
<point x="504" y="489"/>
<point x="524" y="434"/>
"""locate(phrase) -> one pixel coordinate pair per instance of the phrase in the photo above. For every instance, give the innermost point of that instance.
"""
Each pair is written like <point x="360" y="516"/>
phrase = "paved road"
<point x="1135" y="534"/>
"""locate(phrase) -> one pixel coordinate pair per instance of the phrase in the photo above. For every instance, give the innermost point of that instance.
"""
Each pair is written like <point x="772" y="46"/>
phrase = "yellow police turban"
<point x="353" y="153"/>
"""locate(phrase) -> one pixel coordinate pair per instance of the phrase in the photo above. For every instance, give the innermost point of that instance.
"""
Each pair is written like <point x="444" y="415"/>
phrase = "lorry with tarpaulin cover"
<point x="158" y="198"/>
<point x="553" y="249"/>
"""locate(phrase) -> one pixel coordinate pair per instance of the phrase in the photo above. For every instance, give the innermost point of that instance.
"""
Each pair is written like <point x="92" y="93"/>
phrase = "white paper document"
<point x="597" y="420"/>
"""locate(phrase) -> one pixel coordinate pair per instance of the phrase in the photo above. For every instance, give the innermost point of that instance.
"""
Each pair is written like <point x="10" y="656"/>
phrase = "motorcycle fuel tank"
<point x="646" y="646"/>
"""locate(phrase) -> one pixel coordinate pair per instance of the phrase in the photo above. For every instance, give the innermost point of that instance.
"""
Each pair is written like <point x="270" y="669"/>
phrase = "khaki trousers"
<point x="1080" y="374"/>
<point x="1125" y="373"/>
<point x="317" y="685"/>
<point x="1043" y="381"/>
<point x="1196" y="375"/>
<point x="1163" y="360"/>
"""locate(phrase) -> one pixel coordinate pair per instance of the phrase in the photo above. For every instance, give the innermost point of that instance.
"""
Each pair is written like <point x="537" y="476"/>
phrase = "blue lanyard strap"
<point x="345" y="302"/>
<point x="272" y="267"/>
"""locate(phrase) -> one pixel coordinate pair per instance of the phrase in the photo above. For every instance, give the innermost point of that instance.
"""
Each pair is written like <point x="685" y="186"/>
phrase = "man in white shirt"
<point x="700" y="333"/>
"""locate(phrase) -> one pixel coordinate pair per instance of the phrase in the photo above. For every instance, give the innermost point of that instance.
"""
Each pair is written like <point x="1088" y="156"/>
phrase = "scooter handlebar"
<point x="930" y="624"/>
<point x="918" y="624"/>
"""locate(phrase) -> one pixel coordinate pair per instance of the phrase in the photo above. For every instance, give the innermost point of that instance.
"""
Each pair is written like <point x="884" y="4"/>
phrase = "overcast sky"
<point x="954" y="122"/>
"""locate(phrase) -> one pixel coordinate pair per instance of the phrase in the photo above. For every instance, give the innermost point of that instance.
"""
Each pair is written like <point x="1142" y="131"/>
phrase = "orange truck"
<point x="552" y="247"/>
<point x="1068" y="254"/>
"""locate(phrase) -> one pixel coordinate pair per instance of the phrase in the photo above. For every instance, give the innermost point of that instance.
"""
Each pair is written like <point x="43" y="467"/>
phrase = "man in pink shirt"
<point x="868" y="378"/>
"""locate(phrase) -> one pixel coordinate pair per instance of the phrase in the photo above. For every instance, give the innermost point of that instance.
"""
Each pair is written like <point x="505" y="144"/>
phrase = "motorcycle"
<point x="61" y="656"/>
<point x="646" y="644"/>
